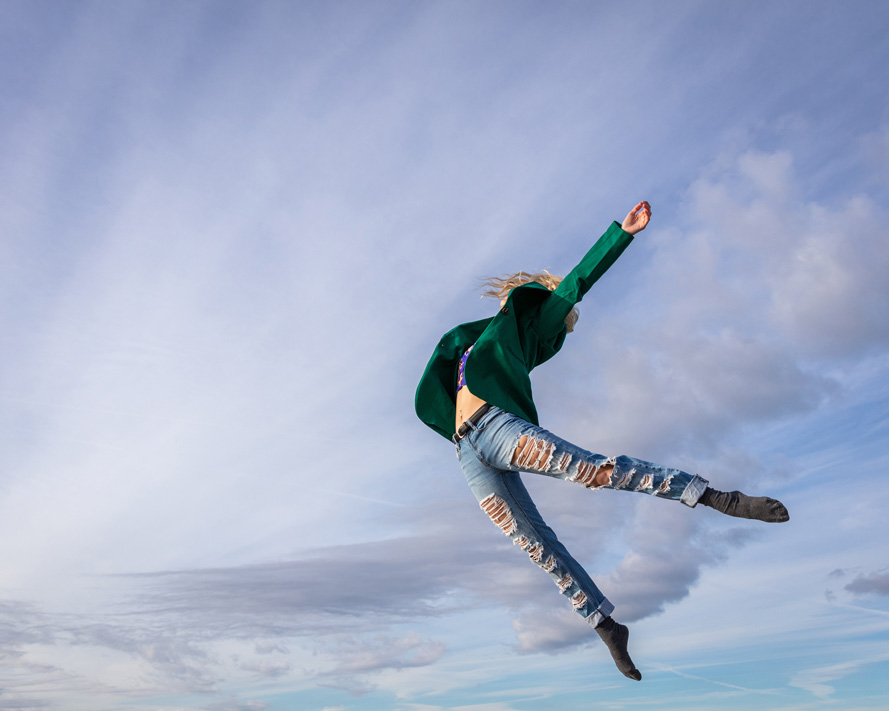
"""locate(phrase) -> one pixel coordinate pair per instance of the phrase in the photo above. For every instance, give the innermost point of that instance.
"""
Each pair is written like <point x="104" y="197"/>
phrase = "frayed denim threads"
<point x="501" y="445"/>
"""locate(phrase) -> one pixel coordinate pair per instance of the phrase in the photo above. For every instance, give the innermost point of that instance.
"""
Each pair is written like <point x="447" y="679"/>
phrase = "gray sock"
<point x="734" y="503"/>
<point x="615" y="636"/>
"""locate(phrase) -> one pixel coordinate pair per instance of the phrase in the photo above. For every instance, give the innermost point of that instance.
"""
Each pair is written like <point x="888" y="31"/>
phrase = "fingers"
<point x="643" y="205"/>
<point x="638" y="217"/>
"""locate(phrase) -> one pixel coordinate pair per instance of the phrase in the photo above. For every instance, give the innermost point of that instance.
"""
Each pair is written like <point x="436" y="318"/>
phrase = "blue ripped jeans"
<point x="501" y="445"/>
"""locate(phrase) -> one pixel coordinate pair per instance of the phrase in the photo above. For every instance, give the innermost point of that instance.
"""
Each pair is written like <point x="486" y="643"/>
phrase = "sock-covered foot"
<point x="734" y="503"/>
<point x="615" y="636"/>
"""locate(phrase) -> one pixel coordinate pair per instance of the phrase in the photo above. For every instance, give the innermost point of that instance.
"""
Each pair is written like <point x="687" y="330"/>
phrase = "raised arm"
<point x="593" y="265"/>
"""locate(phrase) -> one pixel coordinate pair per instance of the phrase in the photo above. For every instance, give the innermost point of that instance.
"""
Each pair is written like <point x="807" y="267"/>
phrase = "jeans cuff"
<point x="694" y="491"/>
<point x="605" y="609"/>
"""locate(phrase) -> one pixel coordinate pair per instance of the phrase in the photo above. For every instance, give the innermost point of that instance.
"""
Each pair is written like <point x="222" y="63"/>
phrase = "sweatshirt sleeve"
<point x="579" y="280"/>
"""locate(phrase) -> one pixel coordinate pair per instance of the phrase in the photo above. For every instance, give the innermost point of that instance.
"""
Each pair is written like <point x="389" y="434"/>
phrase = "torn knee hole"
<point x="586" y="474"/>
<point x="603" y="474"/>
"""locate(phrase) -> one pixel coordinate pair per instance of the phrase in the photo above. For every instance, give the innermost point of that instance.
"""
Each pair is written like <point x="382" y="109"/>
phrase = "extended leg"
<point x="541" y="452"/>
<point x="511" y="443"/>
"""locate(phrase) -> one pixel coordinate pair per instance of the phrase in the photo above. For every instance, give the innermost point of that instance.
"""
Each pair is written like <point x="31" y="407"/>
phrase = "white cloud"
<point x="551" y="631"/>
<point x="816" y="681"/>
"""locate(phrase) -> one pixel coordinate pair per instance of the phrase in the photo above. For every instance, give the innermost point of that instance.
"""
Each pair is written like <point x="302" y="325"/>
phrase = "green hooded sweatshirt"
<point x="529" y="330"/>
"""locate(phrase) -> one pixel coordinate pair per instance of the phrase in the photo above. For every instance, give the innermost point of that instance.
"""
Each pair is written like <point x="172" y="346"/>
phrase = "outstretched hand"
<point x="637" y="218"/>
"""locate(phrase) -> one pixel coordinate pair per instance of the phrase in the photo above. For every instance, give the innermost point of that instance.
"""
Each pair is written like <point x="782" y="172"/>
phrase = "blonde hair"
<point x="499" y="288"/>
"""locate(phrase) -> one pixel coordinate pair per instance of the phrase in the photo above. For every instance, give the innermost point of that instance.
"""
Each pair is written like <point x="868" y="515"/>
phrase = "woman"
<point x="476" y="391"/>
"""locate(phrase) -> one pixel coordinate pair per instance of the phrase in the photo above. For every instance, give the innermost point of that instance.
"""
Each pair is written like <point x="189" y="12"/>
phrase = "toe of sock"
<point x="780" y="513"/>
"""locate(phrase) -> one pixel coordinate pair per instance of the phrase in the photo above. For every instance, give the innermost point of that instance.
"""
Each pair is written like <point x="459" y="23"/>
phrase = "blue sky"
<point x="231" y="236"/>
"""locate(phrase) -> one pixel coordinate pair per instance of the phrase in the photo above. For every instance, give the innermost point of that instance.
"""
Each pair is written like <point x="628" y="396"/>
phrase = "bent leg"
<point x="504" y="498"/>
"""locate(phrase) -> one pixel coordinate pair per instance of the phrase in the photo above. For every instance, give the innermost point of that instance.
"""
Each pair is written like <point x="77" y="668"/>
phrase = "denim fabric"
<point x="491" y="457"/>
